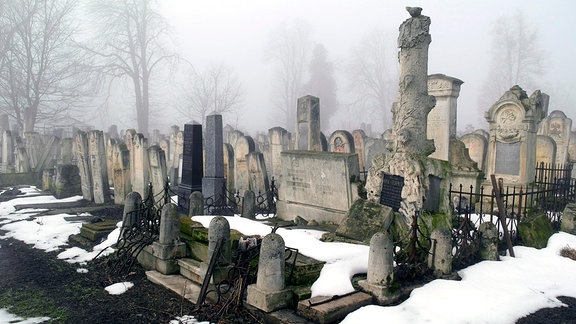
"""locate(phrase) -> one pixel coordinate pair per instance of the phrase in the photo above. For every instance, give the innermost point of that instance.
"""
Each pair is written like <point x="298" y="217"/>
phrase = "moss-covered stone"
<point x="364" y="219"/>
<point x="535" y="230"/>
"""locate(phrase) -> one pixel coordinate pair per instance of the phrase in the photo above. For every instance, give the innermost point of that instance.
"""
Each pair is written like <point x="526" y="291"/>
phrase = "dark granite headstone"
<point x="192" y="164"/>
<point x="391" y="194"/>
<point x="508" y="158"/>
<point x="432" y="202"/>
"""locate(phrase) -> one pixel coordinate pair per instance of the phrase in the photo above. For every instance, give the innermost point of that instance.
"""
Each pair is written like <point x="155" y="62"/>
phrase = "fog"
<point x="235" y="33"/>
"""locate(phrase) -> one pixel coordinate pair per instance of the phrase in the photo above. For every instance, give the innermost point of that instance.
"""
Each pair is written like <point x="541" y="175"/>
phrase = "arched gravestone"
<point x="545" y="150"/>
<point x="359" y="146"/>
<point x="477" y="145"/>
<point x="341" y="141"/>
<point x="279" y="139"/>
<point x="513" y="121"/>
<point x="558" y="127"/>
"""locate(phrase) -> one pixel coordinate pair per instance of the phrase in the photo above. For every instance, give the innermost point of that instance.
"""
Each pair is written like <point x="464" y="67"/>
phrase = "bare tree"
<point x="129" y="44"/>
<point x="289" y="47"/>
<point x="215" y="90"/>
<point x="42" y="71"/>
<point x="517" y="59"/>
<point x="373" y="78"/>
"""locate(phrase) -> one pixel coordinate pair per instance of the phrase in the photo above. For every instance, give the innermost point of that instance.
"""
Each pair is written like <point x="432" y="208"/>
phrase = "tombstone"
<point x="4" y="123"/>
<point x="249" y="205"/>
<point x="113" y="132"/>
<point x="513" y="122"/>
<point x="279" y="140"/>
<point x="244" y="146"/>
<point x="477" y="146"/>
<point x="441" y="260"/>
<point x="196" y="204"/>
<point x="229" y="167"/>
<point x="157" y="171"/>
<point x="7" y="152"/>
<point x="380" y="267"/>
<point x="178" y="156"/>
<point x="132" y="204"/>
<point x="213" y="182"/>
<point x="218" y="229"/>
<point x="558" y="127"/>
<point x="173" y="154"/>
<point x="341" y="141"/>
<point x="67" y="182"/>
<point x="270" y="293"/>
<point x="162" y="254"/>
<point x="257" y="175"/>
<point x="359" y="147"/>
<point x="110" y="143"/>
<point x="139" y="165"/>
<point x="98" y="168"/>
<point x="155" y="139"/>
<point x="488" y="241"/>
<point x="192" y="164"/>
<point x="83" y="163"/>
<point x="442" y="118"/>
<point x="121" y="172"/>
<point x="128" y="139"/>
<point x="233" y="137"/>
<point x="308" y="124"/>
<point x="545" y="150"/>
<point x="226" y="132"/>
<point x="34" y="146"/>
<point x="66" y="151"/>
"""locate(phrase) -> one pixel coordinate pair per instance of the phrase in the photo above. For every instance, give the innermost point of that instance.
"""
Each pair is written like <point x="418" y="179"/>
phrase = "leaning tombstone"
<point x="249" y="205"/>
<point x="270" y="293"/>
<point x="219" y="229"/>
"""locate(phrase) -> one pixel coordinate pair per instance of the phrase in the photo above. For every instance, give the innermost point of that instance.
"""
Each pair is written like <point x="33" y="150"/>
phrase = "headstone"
<point x="219" y="228"/>
<point x="233" y="137"/>
<point x="7" y="151"/>
<point x="155" y="137"/>
<point x="558" y="127"/>
<point x="380" y="267"/>
<point x="249" y="205"/>
<point x="244" y="146"/>
<point x="173" y="154"/>
<point x="67" y="182"/>
<point x="34" y="147"/>
<point x="132" y="203"/>
<point x="97" y="159"/>
<point x="110" y="143"/>
<point x="192" y="164"/>
<point x="441" y="260"/>
<point x="279" y="139"/>
<point x="83" y="163"/>
<point x="341" y="141"/>
<point x="139" y="165"/>
<point x="488" y="241"/>
<point x="442" y="118"/>
<point x="477" y="145"/>
<point x="213" y="182"/>
<point x="67" y="151"/>
<point x="163" y="253"/>
<point x="270" y="293"/>
<point x="129" y="141"/>
<point x="513" y="121"/>
<point x="258" y="177"/>
<point x="545" y="150"/>
<point x="359" y="147"/>
<point x="196" y="204"/>
<point x="157" y="171"/>
<point x="113" y="132"/>
<point x="121" y="172"/>
<point x="308" y="124"/>
<point x="229" y="167"/>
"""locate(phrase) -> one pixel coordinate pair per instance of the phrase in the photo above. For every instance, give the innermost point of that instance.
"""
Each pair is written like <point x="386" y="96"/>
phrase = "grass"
<point x="25" y="303"/>
<point x="568" y="252"/>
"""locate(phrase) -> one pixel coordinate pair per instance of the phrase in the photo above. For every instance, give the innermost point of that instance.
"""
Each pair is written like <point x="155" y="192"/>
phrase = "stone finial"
<point x="415" y="30"/>
<point x="414" y="11"/>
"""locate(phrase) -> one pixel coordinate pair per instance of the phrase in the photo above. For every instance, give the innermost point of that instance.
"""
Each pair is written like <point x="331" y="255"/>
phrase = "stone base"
<point x="97" y="231"/>
<point x="196" y="271"/>
<point x="380" y="293"/>
<point x="150" y="261"/>
<point x="268" y="301"/>
<point x="328" y="310"/>
<point x="169" y="251"/>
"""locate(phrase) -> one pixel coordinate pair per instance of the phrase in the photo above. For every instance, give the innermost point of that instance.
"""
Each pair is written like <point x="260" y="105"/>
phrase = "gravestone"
<point x="128" y="140"/>
<point x="442" y="118"/>
<point x="545" y="150"/>
<point x="513" y="122"/>
<point x="7" y="152"/>
<point x="477" y="145"/>
<point x="113" y="132"/>
<point x="244" y="146"/>
<point x="257" y="175"/>
<point x="279" y="141"/>
<point x="341" y="141"/>
<point x="380" y="273"/>
<point x="121" y="172"/>
<point x="83" y="163"/>
<point x="359" y="147"/>
<point x="173" y="155"/>
<point x="558" y="127"/>
<point x="67" y="151"/>
<point x="213" y="182"/>
<point x="308" y="124"/>
<point x="139" y="165"/>
<point x="110" y="143"/>
<point x="192" y="164"/>
<point x="97" y="159"/>
<point x="233" y="137"/>
<point x="228" y="159"/>
<point x="34" y="146"/>
<point x="157" y="171"/>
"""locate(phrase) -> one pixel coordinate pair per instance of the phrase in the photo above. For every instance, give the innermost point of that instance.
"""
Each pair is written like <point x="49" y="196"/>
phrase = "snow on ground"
<point x="6" y="317"/>
<point x="119" y="288"/>
<point x="518" y="286"/>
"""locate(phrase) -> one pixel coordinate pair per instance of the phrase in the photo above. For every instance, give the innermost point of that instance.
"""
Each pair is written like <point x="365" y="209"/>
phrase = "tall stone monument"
<point x="399" y="178"/>
<point x="192" y="164"/>
<point x="213" y="182"/>
<point x="308" y="124"/>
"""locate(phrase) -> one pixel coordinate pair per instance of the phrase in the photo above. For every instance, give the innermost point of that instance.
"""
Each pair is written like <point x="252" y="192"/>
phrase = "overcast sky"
<point x="235" y="33"/>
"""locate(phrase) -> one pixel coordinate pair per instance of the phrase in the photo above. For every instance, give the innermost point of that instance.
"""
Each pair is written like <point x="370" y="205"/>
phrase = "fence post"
<point x="502" y="214"/>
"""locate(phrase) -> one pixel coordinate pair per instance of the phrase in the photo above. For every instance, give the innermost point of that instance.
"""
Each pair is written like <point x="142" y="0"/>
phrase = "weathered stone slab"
<point x="328" y="310"/>
<point x="97" y="231"/>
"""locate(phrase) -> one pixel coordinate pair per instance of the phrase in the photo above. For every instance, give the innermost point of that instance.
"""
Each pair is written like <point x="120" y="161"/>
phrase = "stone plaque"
<point x="391" y="194"/>
<point x="508" y="158"/>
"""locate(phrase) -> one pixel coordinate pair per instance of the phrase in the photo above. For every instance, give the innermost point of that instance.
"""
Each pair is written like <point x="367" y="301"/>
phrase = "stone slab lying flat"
<point x="332" y="309"/>
<point x="177" y="284"/>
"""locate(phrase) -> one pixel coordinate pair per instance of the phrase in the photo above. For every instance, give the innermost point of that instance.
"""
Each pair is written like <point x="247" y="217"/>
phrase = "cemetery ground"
<point x="38" y="284"/>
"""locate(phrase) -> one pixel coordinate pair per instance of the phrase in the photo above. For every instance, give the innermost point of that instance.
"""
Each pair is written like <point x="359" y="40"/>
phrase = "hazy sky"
<point x="235" y="33"/>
